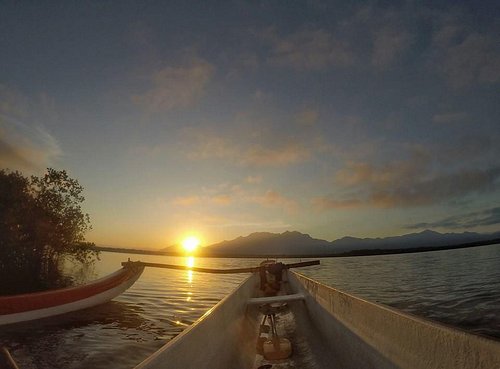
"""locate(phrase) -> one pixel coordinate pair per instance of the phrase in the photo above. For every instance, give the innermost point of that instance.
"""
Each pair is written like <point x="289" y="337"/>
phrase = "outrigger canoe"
<point x="31" y="306"/>
<point x="309" y="325"/>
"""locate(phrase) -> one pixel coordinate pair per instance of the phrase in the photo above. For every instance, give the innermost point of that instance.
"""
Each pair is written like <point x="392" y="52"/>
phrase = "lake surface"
<point x="456" y="287"/>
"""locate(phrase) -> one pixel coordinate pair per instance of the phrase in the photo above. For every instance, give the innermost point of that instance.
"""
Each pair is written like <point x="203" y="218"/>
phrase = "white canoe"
<point x="31" y="306"/>
<point x="327" y="329"/>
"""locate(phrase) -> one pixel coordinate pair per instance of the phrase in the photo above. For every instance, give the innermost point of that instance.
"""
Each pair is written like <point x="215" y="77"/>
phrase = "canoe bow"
<point x="31" y="306"/>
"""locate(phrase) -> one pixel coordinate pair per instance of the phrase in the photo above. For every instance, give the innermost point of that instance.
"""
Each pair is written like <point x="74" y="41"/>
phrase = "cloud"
<point x="27" y="148"/>
<point x="241" y="220"/>
<point x="380" y="35"/>
<point x="388" y="44"/>
<point x="325" y="203"/>
<point x="176" y="86"/>
<point x="13" y="157"/>
<point x="272" y="198"/>
<point x="405" y="183"/>
<point x="260" y="226"/>
<point x="12" y="103"/>
<point x="253" y="179"/>
<point x="451" y="117"/>
<point x="23" y="145"/>
<point x="486" y="217"/>
<point x="399" y="171"/>
<point x="239" y="64"/>
<point x="262" y="96"/>
<point x="283" y="155"/>
<point x="186" y="200"/>
<point x="472" y="149"/>
<point x="466" y="58"/>
<point x="307" y="117"/>
<point x="206" y="146"/>
<point x="309" y="49"/>
<point x="220" y="195"/>
<point x="227" y="194"/>
<point x="219" y="199"/>
<point x="211" y="146"/>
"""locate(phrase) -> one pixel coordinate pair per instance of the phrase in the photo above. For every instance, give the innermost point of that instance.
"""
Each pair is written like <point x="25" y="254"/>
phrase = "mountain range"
<point x="300" y="244"/>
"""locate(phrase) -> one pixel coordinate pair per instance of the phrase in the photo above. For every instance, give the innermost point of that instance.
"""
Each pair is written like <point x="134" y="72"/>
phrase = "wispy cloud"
<point x="272" y="198"/>
<point x="221" y="195"/>
<point x="243" y="221"/>
<point x="260" y="226"/>
<point x="325" y="203"/>
<point x="211" y="146"/>
<point x="189" y="200"/>
<point x="283" y="155"/>
<point x="227" y="194"/>
<point x="487" y="217"/>
<point x="313" y="49"/>
<point x="174" y="87"/>
<point x="25" y="146"/>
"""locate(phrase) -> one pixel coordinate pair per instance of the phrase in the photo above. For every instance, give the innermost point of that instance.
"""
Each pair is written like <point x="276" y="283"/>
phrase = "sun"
<point x="190" y="244"/>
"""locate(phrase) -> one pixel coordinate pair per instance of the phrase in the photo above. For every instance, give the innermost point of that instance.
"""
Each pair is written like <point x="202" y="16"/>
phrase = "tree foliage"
<point x="41" y="225"/>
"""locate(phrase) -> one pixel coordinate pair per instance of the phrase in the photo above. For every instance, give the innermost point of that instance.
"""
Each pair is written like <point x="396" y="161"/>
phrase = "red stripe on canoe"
<point x="41" y="300"/>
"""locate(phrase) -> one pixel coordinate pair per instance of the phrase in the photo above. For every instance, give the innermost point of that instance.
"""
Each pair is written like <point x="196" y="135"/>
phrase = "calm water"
<point x="456" y="287"/>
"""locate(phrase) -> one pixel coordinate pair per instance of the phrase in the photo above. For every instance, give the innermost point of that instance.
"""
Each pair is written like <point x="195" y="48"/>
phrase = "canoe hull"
<point x="328" y="329"/>
<point x="75" y="298"/>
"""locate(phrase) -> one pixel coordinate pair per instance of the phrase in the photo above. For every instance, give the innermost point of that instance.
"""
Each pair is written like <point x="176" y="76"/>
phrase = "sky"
<point x="220" y="119"/>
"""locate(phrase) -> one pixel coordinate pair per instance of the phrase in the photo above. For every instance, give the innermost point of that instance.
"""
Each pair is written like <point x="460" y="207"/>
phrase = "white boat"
<point x="323" y="328"/>
<point x="31" y="306"/>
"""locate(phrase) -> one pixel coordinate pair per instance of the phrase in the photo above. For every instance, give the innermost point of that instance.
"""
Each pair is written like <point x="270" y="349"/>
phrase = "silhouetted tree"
<point x="41" y="224"/>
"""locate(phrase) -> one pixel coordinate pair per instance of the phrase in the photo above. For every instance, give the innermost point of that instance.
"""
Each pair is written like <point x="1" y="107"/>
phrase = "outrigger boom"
<point x="31" y="306"/>
<point x="216" y="271"/>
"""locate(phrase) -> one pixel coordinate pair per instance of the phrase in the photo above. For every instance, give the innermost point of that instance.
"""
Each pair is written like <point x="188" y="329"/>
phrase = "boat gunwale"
<point x="419" y="319"/>
<point x="64" y="289"/>
<point x="179" y="339"/>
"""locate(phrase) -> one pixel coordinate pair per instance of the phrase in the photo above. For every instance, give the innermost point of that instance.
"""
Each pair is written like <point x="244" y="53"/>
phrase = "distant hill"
<point x="173" y="249"/>
<point x="299" y="244"/>
<point x="425" y="238"/>
<point x="264" y="243"/>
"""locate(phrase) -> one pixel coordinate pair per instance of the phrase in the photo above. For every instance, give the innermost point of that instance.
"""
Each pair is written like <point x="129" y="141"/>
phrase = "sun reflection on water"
<point x="190" y="264"/>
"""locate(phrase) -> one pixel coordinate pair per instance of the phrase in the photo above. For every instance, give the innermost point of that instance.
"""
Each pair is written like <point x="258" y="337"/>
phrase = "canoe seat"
<point x="274" y="299"/>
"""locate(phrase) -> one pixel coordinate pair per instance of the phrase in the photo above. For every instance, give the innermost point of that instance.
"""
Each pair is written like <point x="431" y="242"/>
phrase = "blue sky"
<point x="224" y="118"/>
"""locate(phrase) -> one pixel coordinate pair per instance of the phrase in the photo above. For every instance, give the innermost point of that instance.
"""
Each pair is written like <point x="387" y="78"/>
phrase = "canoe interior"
<point x="328" y="329"/>
<point x="226" y="337"/>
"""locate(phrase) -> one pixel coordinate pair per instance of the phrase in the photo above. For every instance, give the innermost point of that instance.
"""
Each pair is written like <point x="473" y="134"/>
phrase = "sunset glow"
<point x="190" y="244"/>
<point x="333" y="119"/>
